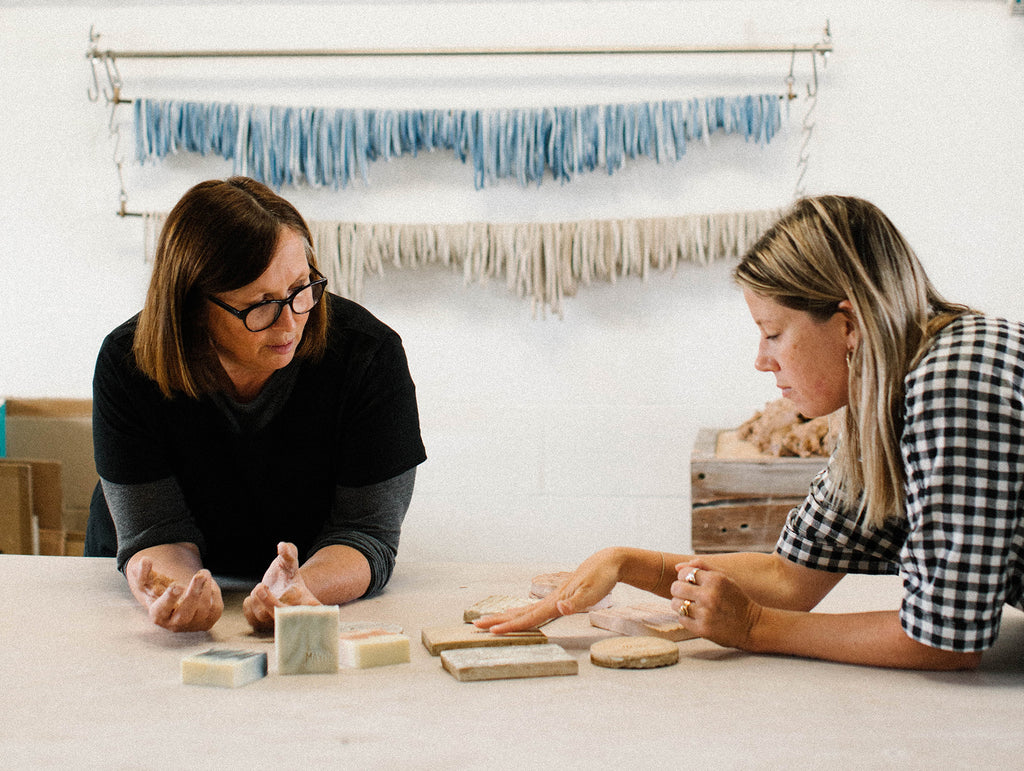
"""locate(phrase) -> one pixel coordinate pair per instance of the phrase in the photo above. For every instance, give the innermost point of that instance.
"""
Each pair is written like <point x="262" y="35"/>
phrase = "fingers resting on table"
<point x="585" y="587"/>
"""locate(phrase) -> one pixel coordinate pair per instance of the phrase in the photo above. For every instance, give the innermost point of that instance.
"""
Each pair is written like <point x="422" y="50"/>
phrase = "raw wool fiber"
<point x="780" y="430"/>
<point x="545" y="262"/>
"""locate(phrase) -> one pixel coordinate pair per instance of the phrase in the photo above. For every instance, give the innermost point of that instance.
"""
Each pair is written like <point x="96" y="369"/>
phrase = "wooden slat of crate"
<point x="740" y="501"/>
<point x="742" y="526"/>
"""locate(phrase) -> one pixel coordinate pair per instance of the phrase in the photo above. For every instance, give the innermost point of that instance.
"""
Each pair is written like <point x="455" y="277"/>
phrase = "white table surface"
<point x="87" y="682"/>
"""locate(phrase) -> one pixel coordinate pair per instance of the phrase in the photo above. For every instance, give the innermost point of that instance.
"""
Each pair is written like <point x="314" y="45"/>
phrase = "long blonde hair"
<point x="833" y="248"/>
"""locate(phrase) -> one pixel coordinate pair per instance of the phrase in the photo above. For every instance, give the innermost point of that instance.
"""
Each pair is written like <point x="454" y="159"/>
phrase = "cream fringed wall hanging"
<point x="544" y="262"/>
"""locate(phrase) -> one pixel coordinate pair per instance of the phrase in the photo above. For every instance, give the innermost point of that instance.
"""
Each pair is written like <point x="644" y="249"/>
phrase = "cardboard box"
<point x="739" y="497"/>
<point x="58" y="431"/>
<point x="31" y="507"/>
<point x="15" y="509"/>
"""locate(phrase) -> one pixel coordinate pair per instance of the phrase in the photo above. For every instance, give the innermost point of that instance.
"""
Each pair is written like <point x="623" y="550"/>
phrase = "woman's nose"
<point x="288" y="319"/>
<point x="763" y="362"/>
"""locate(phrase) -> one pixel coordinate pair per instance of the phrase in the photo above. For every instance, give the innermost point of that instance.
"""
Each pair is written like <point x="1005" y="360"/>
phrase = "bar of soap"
<point x="306" y="639"/>
<point x="373" y="648"/>
<point x="508" y="661"/>
<point x="496" y="603"/>
<point x="642" y="620"/>
<point x="223" y="668"/>
<point x="443" y="638"/>
<point x="634" y="653"/>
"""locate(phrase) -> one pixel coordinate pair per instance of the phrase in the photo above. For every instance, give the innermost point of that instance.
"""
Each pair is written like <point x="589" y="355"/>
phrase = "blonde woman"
<point x="926" y="481"/>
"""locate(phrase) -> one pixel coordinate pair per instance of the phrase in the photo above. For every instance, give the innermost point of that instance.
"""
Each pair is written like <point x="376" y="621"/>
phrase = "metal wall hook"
<point x="790" y="80"/>
<point x="92" y="55"/>
<point x="814" y="66"/>
<point x="112" y="90"/>
<point x="824" y="48"/>
<point x="113" y="78"/>
<point x="122" y="196"/>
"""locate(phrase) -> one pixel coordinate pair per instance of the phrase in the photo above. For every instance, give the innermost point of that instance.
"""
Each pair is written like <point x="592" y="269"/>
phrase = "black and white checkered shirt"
<point x="960" y="550"/>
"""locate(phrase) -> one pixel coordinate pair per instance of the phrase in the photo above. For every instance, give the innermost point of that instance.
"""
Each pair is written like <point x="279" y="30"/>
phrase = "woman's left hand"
<point x="282" y="584"/>
<point x="715" y="607"/>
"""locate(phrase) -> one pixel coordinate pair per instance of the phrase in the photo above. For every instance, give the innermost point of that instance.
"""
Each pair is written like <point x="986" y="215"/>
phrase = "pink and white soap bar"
<point x="367" y="648"/>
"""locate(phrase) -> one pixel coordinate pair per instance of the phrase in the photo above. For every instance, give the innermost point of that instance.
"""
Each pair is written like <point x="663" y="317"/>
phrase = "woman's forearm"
<point x="774" y="581"/>
<point x="873" y="639"/>
<point x="337" y="574"/>
<point x="768" y="579"/>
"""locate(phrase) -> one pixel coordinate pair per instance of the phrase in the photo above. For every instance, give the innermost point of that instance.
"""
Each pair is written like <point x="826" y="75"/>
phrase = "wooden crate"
<point x="740" y="498"/>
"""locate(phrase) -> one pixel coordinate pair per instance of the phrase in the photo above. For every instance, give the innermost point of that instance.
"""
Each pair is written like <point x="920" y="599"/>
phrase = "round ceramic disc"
<point x="545" y="583"/>
<point x="634" y="652"/>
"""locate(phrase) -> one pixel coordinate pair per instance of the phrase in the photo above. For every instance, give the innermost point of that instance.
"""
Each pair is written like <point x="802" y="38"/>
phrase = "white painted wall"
<point x="548" y="438"/>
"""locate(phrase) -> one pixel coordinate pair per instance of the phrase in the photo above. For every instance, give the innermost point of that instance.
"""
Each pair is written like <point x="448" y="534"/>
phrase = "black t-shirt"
<point x="348" y="420"/>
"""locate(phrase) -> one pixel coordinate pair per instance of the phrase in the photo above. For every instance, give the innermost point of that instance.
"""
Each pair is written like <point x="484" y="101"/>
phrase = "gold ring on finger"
<point x="691" y="577"/>
<point x="684" y="609"/>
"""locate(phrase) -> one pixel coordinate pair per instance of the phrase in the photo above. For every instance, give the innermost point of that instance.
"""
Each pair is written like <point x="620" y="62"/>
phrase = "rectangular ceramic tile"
<point x="510" y="661"/>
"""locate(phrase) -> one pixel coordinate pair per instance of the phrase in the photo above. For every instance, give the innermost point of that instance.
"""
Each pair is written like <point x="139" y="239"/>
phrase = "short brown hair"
<point x="219" y="237"/>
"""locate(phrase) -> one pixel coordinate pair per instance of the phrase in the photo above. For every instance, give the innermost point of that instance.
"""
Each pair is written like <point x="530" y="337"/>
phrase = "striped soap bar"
<point x="223" y="668"/>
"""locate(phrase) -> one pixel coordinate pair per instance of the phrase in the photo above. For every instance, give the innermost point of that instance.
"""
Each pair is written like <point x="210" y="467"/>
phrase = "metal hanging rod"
<point x="823" y="47"/>
<point x="817" y="48"/>
<point x="106" y="59"/>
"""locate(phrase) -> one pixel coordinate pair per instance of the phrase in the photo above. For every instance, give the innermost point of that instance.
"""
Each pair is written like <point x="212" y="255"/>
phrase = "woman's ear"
<point x="852" y="324"/>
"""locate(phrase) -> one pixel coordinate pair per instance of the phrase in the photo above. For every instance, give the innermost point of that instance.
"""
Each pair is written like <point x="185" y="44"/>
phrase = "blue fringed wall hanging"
<point x="324" y="147"/>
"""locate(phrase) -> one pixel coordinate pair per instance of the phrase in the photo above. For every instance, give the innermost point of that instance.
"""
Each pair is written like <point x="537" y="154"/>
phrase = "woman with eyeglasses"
<point x="927" y="480"/>
<point x="248" y="423"/>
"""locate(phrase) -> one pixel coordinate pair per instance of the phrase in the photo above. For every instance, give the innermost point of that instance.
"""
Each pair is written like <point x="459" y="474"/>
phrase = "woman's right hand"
<point x="194" y="607"/>
<point x="585" y="587"/>
<point x="282" y="584"/>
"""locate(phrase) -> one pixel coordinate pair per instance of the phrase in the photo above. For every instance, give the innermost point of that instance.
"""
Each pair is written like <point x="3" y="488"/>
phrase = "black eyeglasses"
<point x="264" y="315"/>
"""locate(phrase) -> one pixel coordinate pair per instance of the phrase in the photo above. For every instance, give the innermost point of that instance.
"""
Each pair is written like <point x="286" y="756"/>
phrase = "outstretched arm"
<point x="719" y="610"/>
<point x="763" y="576"/>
